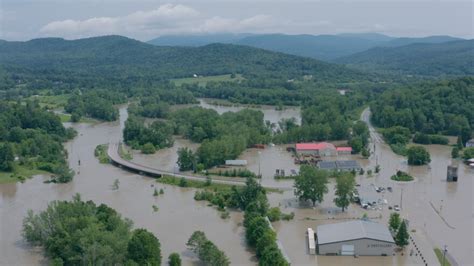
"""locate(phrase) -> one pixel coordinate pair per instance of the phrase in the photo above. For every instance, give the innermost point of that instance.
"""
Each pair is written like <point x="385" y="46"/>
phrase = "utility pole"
<point x="401" y="199"/>
<point x="444" y="254"/>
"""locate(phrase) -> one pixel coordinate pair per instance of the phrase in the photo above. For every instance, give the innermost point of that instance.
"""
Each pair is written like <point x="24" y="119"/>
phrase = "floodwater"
<point x="269" y="112"/>
<point x="439" y="212"/>
<point x="179" y="215"/>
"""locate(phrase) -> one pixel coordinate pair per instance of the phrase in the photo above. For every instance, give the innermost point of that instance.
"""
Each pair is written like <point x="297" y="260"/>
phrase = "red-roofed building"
<point x="321" y="148"/>
<point x="343" y="150"/>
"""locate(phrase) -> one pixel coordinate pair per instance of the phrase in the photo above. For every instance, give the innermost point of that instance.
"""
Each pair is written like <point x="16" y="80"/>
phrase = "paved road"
<point x="114" y="155"/>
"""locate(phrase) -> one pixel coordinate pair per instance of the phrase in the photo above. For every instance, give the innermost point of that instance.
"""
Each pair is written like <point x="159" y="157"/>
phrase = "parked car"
<point x="389" y="189"/>
<point x="396" y="208"/>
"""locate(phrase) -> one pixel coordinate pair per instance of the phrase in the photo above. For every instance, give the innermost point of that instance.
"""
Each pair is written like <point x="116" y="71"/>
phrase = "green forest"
<point x="32" y="137"/>
<point x="83" y="233"/>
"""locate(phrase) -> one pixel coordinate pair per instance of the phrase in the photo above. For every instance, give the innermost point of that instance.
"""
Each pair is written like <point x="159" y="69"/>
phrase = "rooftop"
<point x="341" y="165"/>
<point x="359" y="229"/>
<point x="314" y="146"/>
<point x="344" y="149"/>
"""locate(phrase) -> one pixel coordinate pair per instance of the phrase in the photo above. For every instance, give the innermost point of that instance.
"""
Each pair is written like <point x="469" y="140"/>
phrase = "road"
<point x="115" y="157"/>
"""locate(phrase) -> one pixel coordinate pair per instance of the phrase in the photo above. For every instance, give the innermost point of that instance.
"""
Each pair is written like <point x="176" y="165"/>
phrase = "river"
<point x="179" y="215"/>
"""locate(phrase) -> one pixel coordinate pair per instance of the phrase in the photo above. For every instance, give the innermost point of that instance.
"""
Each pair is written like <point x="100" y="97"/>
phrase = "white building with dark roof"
<point x="359" y="237"/>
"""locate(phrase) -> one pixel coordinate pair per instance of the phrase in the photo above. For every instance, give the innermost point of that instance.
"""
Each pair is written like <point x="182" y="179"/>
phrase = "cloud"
<point x="166" y="19"/>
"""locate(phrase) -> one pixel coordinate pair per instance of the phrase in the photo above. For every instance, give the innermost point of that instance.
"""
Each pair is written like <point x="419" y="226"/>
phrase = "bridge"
<point x="117" y="160"/>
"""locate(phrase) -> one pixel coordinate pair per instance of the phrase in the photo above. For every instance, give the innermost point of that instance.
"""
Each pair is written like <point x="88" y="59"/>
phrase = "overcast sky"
<point x="147" y="19"/>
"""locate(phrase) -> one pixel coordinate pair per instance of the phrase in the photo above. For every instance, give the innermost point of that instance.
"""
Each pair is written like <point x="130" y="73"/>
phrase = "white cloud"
<point x="166" y="19"/>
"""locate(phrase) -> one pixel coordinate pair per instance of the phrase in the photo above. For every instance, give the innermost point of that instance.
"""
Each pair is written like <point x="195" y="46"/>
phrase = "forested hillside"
<point x="115" y="61"/>
<point x="444" y="107"/>
<point x="434" y="60"/>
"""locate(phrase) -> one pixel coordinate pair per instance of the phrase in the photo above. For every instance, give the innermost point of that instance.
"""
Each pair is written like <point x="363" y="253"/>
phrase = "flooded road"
<point x="179" y="215"/>
<point x="440" y="212"/>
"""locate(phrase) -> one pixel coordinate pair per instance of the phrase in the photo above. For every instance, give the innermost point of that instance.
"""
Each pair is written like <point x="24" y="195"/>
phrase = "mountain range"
<point x="323" y="47"/>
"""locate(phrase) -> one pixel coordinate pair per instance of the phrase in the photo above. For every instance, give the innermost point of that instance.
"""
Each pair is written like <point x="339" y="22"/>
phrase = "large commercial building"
<point x="360" y="237"/>
<point x="342" y="165"/>
<point x="320" y="149"/>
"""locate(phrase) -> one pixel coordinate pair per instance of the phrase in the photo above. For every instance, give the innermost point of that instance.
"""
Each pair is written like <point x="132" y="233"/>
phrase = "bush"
<point x="418" y="155"/>
<point x="274" y="214"/>
<point x="401" y="176"/>
<point x="174" y="259"/>
<point x="148" y="148"/>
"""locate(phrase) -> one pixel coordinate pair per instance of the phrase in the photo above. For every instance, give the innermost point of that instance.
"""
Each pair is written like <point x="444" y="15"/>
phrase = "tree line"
<point x="32" y="137"/>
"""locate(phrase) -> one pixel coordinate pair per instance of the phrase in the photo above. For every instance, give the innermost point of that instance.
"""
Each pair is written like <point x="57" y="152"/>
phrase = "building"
<point x="236" y="162"/>
<point x="343" y="165"/>
<point x="470" y="143"/>
<point x="344" y="150"/>
<point x="311" y="242"/>
<point x="361" y="238"/>
<point x="320" y="149"/>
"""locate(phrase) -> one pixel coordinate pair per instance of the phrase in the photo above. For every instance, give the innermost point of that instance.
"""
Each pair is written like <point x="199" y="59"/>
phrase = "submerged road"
<point x="116" y="159"/>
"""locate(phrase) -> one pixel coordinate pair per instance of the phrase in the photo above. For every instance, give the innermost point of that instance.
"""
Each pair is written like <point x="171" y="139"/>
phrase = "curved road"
<point x="115" y="157"/>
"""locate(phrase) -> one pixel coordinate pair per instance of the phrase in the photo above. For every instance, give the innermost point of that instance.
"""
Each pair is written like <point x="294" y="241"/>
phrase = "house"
<point x="320" y="149"/>
<point x="344" y="150"/>
<point x="360" y="237"/>
<point x="470" y="143"/>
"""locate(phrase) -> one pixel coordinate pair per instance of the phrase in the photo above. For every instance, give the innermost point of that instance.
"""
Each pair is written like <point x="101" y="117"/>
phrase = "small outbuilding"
<point x="470" y="143"/>
<point x="360" y="237"/>
<point x="344" y="150"/>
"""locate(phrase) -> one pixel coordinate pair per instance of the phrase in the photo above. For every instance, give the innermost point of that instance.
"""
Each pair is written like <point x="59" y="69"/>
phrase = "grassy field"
<point x="51" y="101"/>
<point x="202" y="81"/>
<point x="20" y="174"/>
<point x="439" y="255"/>
<point x="125" y="153"/>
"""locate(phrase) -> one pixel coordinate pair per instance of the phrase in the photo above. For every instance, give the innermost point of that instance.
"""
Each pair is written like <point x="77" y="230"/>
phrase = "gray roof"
<point x="359" y="229"/>
<point x="341" y="165"/>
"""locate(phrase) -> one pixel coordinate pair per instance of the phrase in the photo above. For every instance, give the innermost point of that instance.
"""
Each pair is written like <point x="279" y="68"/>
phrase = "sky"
<point x="148" y="19"/>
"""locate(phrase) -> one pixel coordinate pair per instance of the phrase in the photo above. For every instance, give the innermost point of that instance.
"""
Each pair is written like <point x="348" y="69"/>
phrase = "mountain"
<point x="197" y="40"/>
<point x="323" y="47"/>
<point x="430" y="39"/>
<point x="119" y="61"/>
<point x="423" y="59"/>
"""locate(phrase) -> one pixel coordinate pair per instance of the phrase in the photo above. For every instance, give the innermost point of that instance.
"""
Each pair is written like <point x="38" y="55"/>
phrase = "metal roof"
<point x="352" y="230"/>
<point x="348" y="164"/>
<point x="327" y="165"/>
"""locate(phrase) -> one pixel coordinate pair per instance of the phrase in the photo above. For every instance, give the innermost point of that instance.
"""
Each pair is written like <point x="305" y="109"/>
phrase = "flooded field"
<point x="439" y="212"/>
<point x="179" y="215"/>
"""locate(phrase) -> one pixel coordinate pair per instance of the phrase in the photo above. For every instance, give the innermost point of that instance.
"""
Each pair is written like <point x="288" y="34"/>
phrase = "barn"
<point x="359" y="237"/>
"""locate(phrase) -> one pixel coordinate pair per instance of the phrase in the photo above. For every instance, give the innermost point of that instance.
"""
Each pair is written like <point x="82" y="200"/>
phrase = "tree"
<point x="459" y="143"/>
<point x="394" y="221"/>
<point x="418" y="155"/>
<point x="401" y="238"/>
<point x="468" y="153"/>
<point x="345" y="184"/>
<point x="207" y="252"/>
<point x="174" y="259"/>
<point x="6" y="157"/>
<point x="144" y="248"/>
<point x="377" y="168"/>
<point x="186" y="159"/>
<point x="311" y="184"/>
<point x="148" y="148"/>
<point x="116" y="184"/>
<point x="455" y="152"/>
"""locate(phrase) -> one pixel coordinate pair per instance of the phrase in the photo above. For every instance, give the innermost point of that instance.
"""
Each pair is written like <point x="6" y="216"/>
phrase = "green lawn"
<point x="202" y="81"/>
<point x="21" y="173"/>
<point x="439" y="255"/>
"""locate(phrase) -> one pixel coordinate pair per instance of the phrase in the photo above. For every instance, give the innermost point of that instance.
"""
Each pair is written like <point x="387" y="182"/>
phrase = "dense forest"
<point x="82" y="233"/>
<point x="443" y="107"/>
<point x="32" y="137"/>
<point x="424" y="59"/>
<point x="148" y="138"/>
<point x="96" y="104"/>
<point x="121" y="63"/>
<point x="223" y="137"/>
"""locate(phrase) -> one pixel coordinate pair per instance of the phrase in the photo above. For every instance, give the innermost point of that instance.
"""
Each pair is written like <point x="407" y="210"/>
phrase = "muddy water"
<point x="178" y="217"/>
<point x="269" y="112"/>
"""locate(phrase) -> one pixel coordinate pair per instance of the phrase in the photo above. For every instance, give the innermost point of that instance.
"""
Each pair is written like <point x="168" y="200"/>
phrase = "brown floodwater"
<point x="179" y="215"/>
